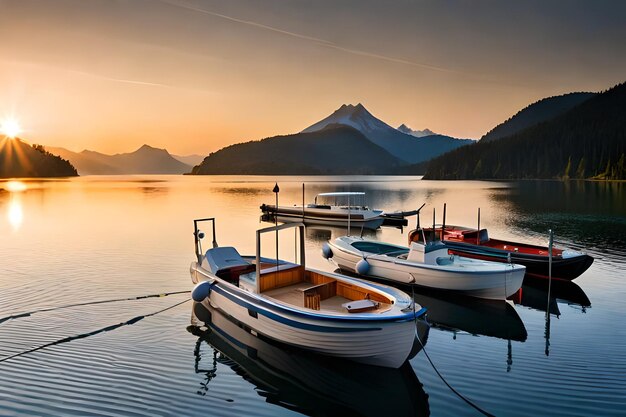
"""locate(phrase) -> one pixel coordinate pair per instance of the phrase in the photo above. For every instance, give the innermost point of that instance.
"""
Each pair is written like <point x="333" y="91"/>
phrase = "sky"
<point x="193" y="76"/>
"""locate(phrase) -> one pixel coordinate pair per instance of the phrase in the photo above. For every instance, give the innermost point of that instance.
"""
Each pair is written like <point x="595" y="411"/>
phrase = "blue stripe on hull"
<point x="293" y="323"/>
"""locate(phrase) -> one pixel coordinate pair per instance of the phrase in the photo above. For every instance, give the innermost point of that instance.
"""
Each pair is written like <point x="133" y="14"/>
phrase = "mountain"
<point x="19" y="159"/>
<point x="334" y="149"/>
<point x="540" y="111"/>
<point x="145" y="160"/>
<point x="405" y="147"/>
<point x="417" y="133"/>
<point x="588" y="141"/>
<point x="191" y="160"/>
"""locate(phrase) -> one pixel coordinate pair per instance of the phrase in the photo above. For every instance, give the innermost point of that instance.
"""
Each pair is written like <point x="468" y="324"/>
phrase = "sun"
<point x="10" y="127"/>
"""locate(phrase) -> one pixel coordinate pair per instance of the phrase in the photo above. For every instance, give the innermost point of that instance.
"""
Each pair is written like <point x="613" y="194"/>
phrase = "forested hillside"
<point x="589" y="141"/>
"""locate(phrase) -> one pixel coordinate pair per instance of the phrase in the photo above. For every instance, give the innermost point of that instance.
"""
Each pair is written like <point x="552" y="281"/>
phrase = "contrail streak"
<point x="121" y="80"/>
<point x="322" y="42"/>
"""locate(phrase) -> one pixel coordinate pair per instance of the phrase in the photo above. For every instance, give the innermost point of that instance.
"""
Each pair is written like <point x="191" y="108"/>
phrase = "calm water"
<point x="103" y="238"/>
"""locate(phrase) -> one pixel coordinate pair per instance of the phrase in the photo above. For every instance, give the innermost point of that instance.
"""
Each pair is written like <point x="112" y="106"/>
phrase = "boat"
<point x="323" y="312"/>
<point x="329" y="209"/>
<point x="427" y="265"/>
<point x="474" y="243"/>
<point x="298" y="380"/>
<point x="337" y="209"/>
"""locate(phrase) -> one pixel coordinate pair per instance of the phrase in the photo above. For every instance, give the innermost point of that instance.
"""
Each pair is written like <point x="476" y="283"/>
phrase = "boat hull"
<point x="460" y="240"/>
<point x="309" y="383"/>
<point x="537" y="266"/>
<point x="372" y="341"/>
<point x="491" y="284"/>
<point x="368" y="219"/>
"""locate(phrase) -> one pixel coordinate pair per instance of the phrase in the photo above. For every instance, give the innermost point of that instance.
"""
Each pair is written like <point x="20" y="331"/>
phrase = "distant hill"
<point x="145" y="160"/>
<point x="588" y="141"/>
<point x="19" y="159"/>
<point x="191" y="160"/>
<point x="334" y="149"/>
<point x="417" y="133"/>
<point x="407" y="148"/>
<point x="540" y="111"/>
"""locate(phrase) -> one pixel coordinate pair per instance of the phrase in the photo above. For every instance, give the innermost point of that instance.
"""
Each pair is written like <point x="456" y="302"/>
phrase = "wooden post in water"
<point x="443" y="225"/>
<point x="348" y="214"/>
<point x="434" y="230"/>
<point x="478" y="230"/>
<point x="276" y="190"/>
<point x="547" y="331"/>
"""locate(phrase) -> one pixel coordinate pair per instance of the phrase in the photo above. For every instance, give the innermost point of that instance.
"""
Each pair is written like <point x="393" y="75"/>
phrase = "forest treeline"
<point x="19" y="159"/>
<point x="588" y="141"/>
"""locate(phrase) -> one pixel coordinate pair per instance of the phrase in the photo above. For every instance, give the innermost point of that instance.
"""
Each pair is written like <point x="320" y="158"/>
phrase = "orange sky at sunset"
<point x="195" y="75"/>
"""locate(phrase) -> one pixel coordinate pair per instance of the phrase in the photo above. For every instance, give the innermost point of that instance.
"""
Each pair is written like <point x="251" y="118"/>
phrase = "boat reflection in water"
<point x="534" y="294"/>
<point x="305" y="382"/>
<point x="540" y="295"/>
<point x="456" y="312"/>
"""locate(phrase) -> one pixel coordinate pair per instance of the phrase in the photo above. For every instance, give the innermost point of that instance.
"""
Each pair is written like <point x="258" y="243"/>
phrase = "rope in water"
<point x="476" y="407"/>
<point x="140" y="297"/>
<point x="92" y="333"/>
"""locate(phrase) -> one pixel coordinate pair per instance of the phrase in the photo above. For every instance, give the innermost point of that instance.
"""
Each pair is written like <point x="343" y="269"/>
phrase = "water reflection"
<point x="579" y="211"/>
<point x="15" y="186"/>
<point x="455" y="312"/>
<point x="303" y="382"/>
<point x="15" y="213"/>
<point x="324" y="234"/>
<point x="534" y="295"/>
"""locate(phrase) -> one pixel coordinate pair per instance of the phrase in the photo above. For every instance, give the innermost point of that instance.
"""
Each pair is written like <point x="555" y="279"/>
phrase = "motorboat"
<point x="323" y="312"/>
<point x="300" y="380"/>
<point x="475" y="243"/>
<point x="427" y="265"/>
<point x="329" y="209"/>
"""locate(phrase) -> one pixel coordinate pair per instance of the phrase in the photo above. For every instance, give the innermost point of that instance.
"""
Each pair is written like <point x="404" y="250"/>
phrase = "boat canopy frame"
<point x="347" y="194"/>
<point x="198" y="239"/>
<point x="276" y="229"/>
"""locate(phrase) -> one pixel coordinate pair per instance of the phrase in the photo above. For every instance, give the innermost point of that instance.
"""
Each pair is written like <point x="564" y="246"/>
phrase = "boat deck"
<point x="293" y="295"/>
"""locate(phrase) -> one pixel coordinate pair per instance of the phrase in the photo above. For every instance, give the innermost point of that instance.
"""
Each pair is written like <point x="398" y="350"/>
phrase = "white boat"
<point x="304" y="382"/>
<point x="327" y="313"/>
<point x="426" y="265"/>
<point x="330" y="209"/>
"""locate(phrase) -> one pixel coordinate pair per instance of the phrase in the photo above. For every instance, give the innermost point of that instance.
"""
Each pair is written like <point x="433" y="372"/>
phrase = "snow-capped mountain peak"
<point x="417" y="133"/>
<point x="355" y="116"/>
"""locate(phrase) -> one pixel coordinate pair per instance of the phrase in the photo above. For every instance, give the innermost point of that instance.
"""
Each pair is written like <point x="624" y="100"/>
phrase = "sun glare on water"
<point x="10" y="128"/>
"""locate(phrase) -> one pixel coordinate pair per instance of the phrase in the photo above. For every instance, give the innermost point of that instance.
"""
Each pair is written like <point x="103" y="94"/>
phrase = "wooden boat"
<point x="567" y="264"/>
<point x="302" y="381"/>
<point x="323" y="312"/>
<point x="337" y="209"/>
<point x="426" y="265"/>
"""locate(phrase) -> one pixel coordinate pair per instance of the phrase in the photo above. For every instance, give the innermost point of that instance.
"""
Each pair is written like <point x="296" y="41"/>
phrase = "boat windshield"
<point x="380" y="248"/>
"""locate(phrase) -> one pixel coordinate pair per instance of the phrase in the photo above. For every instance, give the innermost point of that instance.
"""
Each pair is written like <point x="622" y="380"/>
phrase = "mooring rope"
<point x="92" y="333"/>
<point x="476" y="407"/>
<point x="140" y="297"/>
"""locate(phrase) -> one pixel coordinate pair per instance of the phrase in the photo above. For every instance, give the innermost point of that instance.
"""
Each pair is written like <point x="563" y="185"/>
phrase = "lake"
<point x="111" y="239"/>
